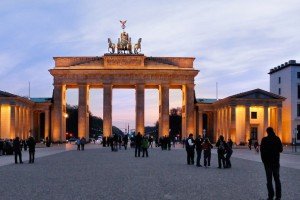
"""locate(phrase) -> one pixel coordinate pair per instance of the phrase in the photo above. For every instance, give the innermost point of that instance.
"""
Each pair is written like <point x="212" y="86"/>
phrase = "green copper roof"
<point x="41" y="100"/>
<point x="206" y="100"/>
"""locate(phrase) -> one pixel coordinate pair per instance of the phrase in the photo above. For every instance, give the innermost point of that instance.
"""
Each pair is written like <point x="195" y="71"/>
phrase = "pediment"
<point x="256" y="94"/>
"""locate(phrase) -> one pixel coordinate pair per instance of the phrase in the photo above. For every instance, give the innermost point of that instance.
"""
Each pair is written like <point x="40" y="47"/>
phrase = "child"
<point x="145" y="145"/>
<point x="207" y="146"/>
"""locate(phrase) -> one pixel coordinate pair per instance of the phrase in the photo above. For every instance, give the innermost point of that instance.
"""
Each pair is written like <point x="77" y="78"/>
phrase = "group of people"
<point x="204" y="145"/>
<point x="16" y="146"/>
<point x="141" y="144"/>
<point x="80" y="142"/>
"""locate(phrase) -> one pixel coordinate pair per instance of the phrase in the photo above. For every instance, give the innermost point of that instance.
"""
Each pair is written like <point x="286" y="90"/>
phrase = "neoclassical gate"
<point x="122" y="71"/>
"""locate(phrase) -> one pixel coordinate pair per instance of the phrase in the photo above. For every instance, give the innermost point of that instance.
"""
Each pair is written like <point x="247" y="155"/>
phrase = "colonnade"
<point x="15" y="121"/>
<point x="59" y="109"/>
<point x="235" y="121"/>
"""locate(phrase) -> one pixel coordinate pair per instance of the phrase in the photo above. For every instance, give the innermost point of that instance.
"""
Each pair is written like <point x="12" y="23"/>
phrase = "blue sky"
<point x="235" y="43"/>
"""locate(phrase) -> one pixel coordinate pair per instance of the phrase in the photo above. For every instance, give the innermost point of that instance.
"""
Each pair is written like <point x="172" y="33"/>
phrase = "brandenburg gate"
<point x="121" y="70"/>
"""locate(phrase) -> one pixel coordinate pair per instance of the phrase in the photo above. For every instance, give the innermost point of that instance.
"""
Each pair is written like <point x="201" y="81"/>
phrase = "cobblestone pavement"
<point x="98" y="173"/>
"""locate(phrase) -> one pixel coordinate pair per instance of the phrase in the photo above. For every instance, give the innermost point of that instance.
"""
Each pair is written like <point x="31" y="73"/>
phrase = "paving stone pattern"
<point x="101" y="174"/>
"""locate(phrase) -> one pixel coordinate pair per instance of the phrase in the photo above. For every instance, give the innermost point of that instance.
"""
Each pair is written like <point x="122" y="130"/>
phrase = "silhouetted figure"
<point x="138" y="143"/>
<point x="168" y="142"/>
<point x="120" y="139"/>
<point x="31" y="145"/>
<point x="150" y="141"/>
<point x="115" y="142"/>
<point x="207" y="146"/>
<point x="270" y="148"/>
<point x="190" y="149"/>
<point x="48" y="142"/>
<point x="228" y="149"/>
<point x="250" y="143"/>
<point x="198" y="143"/>
<point x="104" y="141"/>
<point x="125" y="141"/>
<point x="78" y="143"/>
<point x="82" y="143"/>
<point x="1" y="146"/>
<point x="221" y="144"/>
<point x="17" y="150"/>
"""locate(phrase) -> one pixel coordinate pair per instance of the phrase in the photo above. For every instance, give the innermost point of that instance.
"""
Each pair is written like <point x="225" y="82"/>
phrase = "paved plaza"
<point x="61" y="172"/>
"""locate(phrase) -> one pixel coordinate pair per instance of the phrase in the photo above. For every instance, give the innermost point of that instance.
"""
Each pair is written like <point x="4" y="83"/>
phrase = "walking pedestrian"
<point x="198" y="143"/>
<point x="78" y="143"/>
<point x="207" y="146"/>
<point x="145" y="146"/>
<point x="82" y="143"/>
<point x="31" y="145"/>
<point x="270" y="149"/>
<point x="250" y="143"/>
<point x="138" y="143"/>
<point x="17" y="150"/>
<point x="190" y="149"/>
<point x="221" y="151"/>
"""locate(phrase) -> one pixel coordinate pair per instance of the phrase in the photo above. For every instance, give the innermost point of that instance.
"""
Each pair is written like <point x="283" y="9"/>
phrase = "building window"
<point x="253" y="115"/>
<point x="279" y="80"/>
<point x="298" y="110"/>
<point x="279" y="91"/>
<point x="298" y="132"/>
<point x="298" y="74"/>
<point x="298" y="91"/>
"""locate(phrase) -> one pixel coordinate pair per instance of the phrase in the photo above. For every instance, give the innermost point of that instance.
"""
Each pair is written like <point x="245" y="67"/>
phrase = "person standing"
<point x="82" y="143"/>
<point x="207" y="146"/>
<point x="145" y="146"/>
<point x="125" y="141"/>
<point x="250" y="143"/>
<point x="270" y="149"/>
<point x="31" y="145"/>
<point x="190" y="149"/>
<point x="17" y="150"/>
<point x="138" y="143"/>
<point x="228" y="149"/>
<point x="198" y="143"/>
<point x="221" y="151"/>
<point x="1" y="146"/>
<point x="78" y="143"/>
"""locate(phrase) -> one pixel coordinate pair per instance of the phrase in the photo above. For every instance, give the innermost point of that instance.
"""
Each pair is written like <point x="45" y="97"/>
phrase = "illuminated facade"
<point x="240" y="117"/>
<point x="22" y="117"/>
<point x="285" y="81"/>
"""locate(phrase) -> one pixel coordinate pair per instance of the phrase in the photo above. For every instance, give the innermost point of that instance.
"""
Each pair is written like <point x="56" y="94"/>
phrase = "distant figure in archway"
<point x="138" y="143"/>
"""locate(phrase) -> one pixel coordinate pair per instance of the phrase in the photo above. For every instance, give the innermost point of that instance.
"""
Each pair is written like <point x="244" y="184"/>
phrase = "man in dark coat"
<point x="270" y="148"/>
<point x="31" y="145"/>
<point x="125" y="141"/>
<point x="190" y="149"/>
<point x="221" y="144"/>
<point x="198" y="143"/>
<point x="17" y="150"/>
<point x="138" y="143"/>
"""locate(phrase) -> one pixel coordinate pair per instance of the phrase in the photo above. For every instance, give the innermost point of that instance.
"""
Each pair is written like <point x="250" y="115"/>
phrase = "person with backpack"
<point x="221" y="151"/>
<point x="190" y="149"/>
<point x="207" y="146"/>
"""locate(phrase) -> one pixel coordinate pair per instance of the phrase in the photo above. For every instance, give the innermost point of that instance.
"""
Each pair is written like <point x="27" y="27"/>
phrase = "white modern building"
<point x="285" y="81"/>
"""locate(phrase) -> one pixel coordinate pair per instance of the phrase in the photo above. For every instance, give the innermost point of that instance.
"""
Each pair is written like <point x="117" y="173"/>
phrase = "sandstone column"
<point x="12" y="133"/>
<point x="140" y="108"/>
<point x="21" y="117"/>
<point x="232" y="133"/>
<point x="83" y="111"/>
<point x="266" y="119"/>
<point x="107" y="110"/>
<point x="164" y="110"/>
<point x="17" y="124"/>
<point x="47" y="122"/>
<point x="0" y="124"/>
<point x="200" y="122"/>
<point x="247" y="124"/>
<point x="59" y="110"/>
<point x="188" y="109"/>
<point x="279" y="122"/>
<point x="31" y="123"/>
